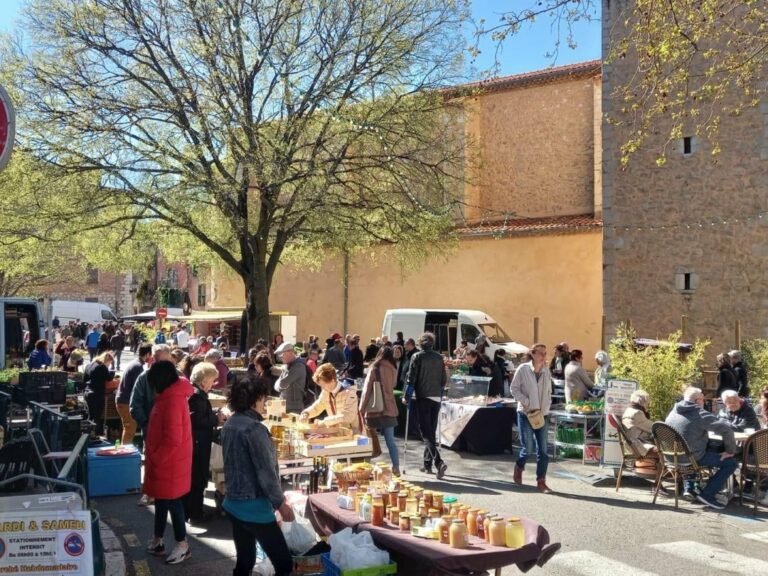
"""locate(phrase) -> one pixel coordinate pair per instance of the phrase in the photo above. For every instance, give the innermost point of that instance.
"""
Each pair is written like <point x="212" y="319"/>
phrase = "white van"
<point x="450" y="327"/>
<point x="90" y="312"/>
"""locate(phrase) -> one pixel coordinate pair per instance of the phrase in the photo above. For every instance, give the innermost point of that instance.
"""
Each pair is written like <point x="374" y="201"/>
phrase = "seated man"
<point x="737" y="412"/>
<point x="694" y="423"/>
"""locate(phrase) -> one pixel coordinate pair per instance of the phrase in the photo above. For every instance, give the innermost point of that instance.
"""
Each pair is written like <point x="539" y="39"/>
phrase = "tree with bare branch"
<point x="253" y="126"/>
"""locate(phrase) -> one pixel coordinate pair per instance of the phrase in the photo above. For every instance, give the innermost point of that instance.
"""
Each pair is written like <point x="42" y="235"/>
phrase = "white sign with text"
<point x="616" y="401"/>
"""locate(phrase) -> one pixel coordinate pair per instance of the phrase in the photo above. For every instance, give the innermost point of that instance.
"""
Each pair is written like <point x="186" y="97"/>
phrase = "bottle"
<point x="515" y="533"/>
<point x="481" y="514"/>
<point x="377" y="513"/>
<point x="443" y="528"/>
<point x="498" y="532"/>
<point x="365" y="508"/>
<point x="117" y="444"/>
<point x="487" y="527"/>
<point x="457" y="535"/>
<point x="402" y="499"/>
<point x="437" y="500"/>
<point x="427" y="497"/>
<point x="463" y="512"/>
<point x="447" y="502"/>
<point x="472" y="521"/>
<point x="405" y="522"/>
<point x="313" y="477"/>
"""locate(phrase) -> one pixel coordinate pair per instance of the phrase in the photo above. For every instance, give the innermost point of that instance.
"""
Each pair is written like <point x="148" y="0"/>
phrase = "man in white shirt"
<point x="182" y="339"/>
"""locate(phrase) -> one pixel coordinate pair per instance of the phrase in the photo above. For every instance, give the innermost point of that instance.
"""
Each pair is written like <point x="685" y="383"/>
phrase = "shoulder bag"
<point x="536" y="417"/>
<point x="375" y="401"/>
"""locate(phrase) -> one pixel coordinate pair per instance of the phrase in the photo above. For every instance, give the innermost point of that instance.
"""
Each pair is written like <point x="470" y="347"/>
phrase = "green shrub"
<point x="755" y="356"/>
<point x="661" y="371"/>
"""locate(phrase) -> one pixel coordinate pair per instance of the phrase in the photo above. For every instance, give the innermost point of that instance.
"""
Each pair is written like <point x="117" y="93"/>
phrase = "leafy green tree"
<point x="755" y="355"/>
<point x="661" y="371"/>
<point x="690" y="64"/>
<point x="251" y="127"/>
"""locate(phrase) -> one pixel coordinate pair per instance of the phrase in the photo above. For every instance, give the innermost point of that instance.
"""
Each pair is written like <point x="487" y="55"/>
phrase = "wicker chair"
<point x="754" y="463"/>
<point x="677" y="461"/>
<point x="630" y="456"/>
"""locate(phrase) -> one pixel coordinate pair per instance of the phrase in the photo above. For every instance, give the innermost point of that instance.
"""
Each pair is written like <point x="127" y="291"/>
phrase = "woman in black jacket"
<point x="97" y="374"/>
<point x="204" y="422"/>
<point x="103" y="345"/>
<point x="726" y="379"/>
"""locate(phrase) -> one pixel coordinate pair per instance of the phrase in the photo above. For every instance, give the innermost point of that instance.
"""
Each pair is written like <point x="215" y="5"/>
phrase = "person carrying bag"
<point x="378" y="406"/>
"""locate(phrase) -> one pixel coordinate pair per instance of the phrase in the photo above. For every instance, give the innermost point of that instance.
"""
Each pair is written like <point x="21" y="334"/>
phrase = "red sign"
<point x="7" y="127"/>
<point x="162" y="313"/>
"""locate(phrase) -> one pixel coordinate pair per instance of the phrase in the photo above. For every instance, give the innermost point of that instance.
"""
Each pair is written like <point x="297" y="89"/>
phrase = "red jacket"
<point x="168" y="465"/>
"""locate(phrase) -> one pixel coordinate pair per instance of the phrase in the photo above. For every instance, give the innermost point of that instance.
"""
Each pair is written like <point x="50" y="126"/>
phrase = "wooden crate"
<point x="334" y="436"/>
<point x="359" y="446"/>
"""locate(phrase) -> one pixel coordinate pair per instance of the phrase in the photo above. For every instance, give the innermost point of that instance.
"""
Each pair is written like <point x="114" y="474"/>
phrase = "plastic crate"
<point x="113" y="475"/>
<point x="332" y="570"/>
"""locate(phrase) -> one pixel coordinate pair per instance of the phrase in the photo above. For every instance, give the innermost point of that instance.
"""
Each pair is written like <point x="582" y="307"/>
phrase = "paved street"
<point x="601" y="532"/>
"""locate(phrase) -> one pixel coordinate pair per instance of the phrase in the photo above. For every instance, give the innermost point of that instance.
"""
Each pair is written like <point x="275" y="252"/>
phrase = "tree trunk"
<point x="256" y="308"/>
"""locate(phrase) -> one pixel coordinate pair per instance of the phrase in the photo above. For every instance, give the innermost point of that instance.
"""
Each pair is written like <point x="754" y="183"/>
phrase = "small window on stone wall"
<point x="686" y="280"/>
<point x="687" y="145"/>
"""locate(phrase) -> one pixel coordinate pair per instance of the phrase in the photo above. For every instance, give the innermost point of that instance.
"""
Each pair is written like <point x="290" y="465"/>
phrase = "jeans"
<point x="176" y="508"/>
<point x="129" y="424"/>
<point x="118" y="355"/>
<point x="92" y="353"/>
<point x="428" y="412"/>
<point x="245" y="535"/>
<point x="540" y="440"/>
<point x="725" y="468"/>
<point x="389" y="438"/>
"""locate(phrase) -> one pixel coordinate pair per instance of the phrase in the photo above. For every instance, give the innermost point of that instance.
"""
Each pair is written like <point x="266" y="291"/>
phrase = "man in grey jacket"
<point x="694" y="423"/>
<point x="292" y="381"/>
<point x="427" y="379"/>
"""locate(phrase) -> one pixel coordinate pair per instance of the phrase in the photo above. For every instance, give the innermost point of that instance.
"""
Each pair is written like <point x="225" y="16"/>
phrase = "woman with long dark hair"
<point x="168" y="464"/>
<point x="252" y="482"/>
<point x="383" y="370"/>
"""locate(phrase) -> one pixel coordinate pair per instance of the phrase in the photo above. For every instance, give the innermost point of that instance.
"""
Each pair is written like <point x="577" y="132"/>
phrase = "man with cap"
<point x="335" y="353"/>
<point x="291" y="382"/>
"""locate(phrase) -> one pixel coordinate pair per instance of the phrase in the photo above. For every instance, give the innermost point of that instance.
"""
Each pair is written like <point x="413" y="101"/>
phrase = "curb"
<point x="114" y="558"/>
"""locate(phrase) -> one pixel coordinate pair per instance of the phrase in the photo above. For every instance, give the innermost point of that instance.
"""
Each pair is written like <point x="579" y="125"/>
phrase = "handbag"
<point x="375" y="401"/>
<point x="535" y="419"/>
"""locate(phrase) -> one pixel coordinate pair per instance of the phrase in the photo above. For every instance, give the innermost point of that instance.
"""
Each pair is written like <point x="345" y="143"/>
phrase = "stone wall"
<point x="698" y="215"/>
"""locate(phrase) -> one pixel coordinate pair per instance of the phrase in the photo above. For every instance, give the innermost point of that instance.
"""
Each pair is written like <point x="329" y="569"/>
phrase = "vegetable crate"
<point x="332" y="570"/>
<point x="567" y="435"/>
<point x="46" y="387"/>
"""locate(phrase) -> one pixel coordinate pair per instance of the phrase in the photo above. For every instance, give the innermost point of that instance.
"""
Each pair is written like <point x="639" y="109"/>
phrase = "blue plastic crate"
<point x="332" y="570"/>
<point x="113" y="475"/>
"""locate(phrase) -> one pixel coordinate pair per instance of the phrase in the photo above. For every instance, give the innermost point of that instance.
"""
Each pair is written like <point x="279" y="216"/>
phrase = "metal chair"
<point x="44" y="453"/>
<point x="677" y="461"/>
<point x="754" y="463"/>
<point x="630" y="456"/>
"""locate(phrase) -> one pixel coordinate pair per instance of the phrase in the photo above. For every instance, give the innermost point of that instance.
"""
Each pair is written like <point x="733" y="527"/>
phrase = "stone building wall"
<point x="698" y="215"/>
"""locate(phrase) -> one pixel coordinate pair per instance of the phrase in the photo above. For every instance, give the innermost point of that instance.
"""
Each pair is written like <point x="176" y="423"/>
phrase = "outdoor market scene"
<point x="370" y="288"/>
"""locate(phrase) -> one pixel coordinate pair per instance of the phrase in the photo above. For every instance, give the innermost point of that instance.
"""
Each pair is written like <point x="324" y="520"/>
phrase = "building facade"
<point x="685" y="244"/>
<point x="535" y="135"/>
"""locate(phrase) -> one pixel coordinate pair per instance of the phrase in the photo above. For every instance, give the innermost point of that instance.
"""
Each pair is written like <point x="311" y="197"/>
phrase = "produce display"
<point x="585" y="407"/>
<point x="426" y="513"/>
<point x="294" y="438"/>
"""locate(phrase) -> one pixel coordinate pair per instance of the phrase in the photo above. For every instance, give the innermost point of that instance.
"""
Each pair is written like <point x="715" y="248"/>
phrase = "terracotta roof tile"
<point x="532" y="226"/>
<point x="569" y="72"/>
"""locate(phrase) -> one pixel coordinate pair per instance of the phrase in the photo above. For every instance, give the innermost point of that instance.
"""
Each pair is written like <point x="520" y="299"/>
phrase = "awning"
<point x="211" y="316"/>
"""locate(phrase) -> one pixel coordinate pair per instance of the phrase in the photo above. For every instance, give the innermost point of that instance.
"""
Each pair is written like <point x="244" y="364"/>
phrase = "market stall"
<point x="578" y="431"/>
<point x="431" y="554"/>
<point x="471" y="421"/>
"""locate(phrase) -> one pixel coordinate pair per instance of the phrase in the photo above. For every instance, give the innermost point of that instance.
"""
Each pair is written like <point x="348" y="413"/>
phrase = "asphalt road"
<point x="601" y="532"/>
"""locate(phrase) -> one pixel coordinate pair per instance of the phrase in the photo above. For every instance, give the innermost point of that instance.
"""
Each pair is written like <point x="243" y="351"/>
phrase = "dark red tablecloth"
<point x="420" y="556"/>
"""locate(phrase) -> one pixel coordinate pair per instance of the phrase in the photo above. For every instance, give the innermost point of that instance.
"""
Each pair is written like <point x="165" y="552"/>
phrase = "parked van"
<point x="20" y="316"/>
<point x="450" y="327"/>
<point x="90" y="312"/>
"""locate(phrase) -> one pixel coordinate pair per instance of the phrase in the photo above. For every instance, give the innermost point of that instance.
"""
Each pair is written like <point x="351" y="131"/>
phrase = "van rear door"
<point x="444" y="326"/>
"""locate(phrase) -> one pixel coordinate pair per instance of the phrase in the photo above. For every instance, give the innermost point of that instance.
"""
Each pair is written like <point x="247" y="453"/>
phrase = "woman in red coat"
<point x="168" y="464"/>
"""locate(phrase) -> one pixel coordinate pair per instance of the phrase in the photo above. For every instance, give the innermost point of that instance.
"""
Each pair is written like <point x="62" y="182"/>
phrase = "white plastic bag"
<point x="351" y="551"/>
<point x="264" y="568"/>
<point x="299" y="535"/>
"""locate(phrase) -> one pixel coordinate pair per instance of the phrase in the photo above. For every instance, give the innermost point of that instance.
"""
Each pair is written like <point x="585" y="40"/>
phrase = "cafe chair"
<point x="631" y="459"/>
<point x="677" y="461"/>
<point x="754" y="464"/>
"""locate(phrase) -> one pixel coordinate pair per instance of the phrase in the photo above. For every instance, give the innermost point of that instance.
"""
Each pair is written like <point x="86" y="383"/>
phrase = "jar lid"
<point x="513" y="519"/>
<point x="449" y="499"/>
<point x="458" y="521"/>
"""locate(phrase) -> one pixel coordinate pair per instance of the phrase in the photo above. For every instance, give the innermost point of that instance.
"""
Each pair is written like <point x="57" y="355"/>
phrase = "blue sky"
<point x="522" y="53"/>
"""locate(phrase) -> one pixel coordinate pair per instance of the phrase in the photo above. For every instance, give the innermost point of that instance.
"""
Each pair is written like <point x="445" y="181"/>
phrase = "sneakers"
<point x="441" y="470"/>
<point x="517" y="475"/>
<point x="710" y="501"/>
<point x="689" y="495"/>
<point x="396" y="472"/>
<point x="156" y="547"/>
<point x="426" y="470"/>
<point x="180" y="553"/>
<point x="541" y="485"/>
<point x="146" y="500"/>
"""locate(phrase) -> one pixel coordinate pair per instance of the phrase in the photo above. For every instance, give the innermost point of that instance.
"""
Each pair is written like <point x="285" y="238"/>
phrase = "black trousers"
<point x="245" y="535"/>
<point x="201" y="457"/>
<point x="429" y="412"/>
<point x="96" y="404"/>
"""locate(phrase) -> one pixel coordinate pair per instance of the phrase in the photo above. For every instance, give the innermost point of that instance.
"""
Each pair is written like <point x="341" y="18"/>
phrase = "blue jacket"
<point x="38" y="359"/>
<point x="160" y="338"/>
<point x="92" y="340"/>
<point x="250" y="463"/>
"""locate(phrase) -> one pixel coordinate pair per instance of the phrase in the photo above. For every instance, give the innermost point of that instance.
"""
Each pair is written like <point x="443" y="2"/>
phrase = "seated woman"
<point x="638" y="423"/>
<point x="737" y="412"/>
<point x="337" y="399"/>
<point x="577" y="381"/>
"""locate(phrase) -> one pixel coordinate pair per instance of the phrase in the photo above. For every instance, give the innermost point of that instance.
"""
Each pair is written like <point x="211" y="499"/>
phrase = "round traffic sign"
<point x="7" y="127"/>
<point x="162" y="313"/>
